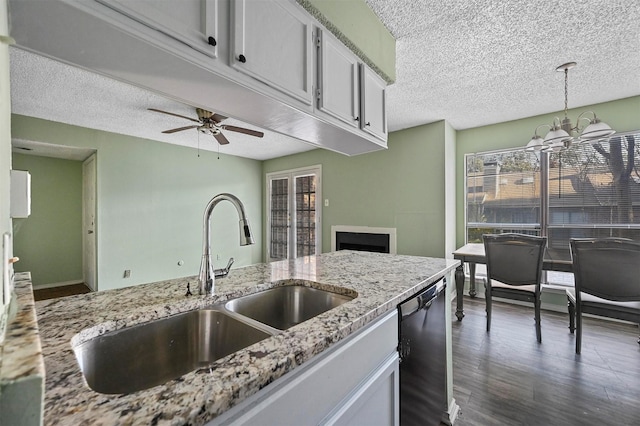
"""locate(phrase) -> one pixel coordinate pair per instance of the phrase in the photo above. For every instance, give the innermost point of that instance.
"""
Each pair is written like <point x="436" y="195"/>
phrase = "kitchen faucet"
<point x="206" y="277"/>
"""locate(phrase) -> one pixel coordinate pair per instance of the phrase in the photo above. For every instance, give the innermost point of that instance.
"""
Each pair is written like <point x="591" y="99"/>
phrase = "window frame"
<point x="291" y="175"/>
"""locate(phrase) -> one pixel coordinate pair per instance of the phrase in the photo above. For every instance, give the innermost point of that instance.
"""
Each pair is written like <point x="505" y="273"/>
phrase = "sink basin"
<point x="150" y="354"/>
<point x="284" y="307"/>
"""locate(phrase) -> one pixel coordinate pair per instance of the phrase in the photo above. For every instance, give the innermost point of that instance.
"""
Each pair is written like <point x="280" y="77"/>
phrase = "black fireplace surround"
<point x="362" y="241"/>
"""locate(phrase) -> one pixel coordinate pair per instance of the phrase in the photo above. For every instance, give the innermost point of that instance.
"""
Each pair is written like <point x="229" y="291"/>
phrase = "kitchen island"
<point x="380" y="281"/>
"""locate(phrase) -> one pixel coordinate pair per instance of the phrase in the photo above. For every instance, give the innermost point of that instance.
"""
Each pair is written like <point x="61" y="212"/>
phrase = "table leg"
<point x="472" y="280"/>
<point x="459" y="292"/>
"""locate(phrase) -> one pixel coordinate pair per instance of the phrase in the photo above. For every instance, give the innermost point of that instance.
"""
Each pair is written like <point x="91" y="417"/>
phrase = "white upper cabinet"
<point x="192" y="22"/>
<point x="373" y="97"/>
<point x="273" y="44"/>
<point x="338" y="90"/>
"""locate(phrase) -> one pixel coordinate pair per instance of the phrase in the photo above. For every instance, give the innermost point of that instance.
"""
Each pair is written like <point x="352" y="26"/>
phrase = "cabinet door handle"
<point x="357" y="118"/>
<point x="212" y="41"/>
<point x="89" y="231"/>
<point x="242" y="59"/>
<point x="368" y="123"/>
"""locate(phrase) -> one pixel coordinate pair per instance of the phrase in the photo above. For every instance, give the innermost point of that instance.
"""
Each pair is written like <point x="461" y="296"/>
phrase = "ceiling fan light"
<point x="596" y="130"/>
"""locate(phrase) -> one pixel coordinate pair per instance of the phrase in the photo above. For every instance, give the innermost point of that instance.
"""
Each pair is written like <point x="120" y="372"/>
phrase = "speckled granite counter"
<point x="381" y="282"/>
<point x="22" y="369"/>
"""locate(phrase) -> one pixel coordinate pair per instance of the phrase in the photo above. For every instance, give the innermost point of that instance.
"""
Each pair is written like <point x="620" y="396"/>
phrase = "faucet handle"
<point x="221" y="273"/>
<point x="231" y="260"/>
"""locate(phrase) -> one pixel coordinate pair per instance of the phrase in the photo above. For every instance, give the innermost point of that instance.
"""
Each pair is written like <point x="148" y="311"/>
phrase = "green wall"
<point x="401" y="187"/>
<point x="151" y="198"/>
<point x="49" y="241"/>
<point x="622" y="115"/>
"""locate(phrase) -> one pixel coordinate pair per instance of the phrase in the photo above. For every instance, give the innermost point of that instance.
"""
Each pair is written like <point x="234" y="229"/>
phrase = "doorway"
<point x="53" y="239"/>
<point x="294" y="226"/>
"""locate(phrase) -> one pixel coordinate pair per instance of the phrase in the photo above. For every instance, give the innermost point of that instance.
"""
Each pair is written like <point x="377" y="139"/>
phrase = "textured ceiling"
<point x="475" y="63"/>
<point x="471" y="63"/>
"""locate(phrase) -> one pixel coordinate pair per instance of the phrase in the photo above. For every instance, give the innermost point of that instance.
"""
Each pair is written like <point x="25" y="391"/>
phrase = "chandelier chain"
<point x="566" y="92"/>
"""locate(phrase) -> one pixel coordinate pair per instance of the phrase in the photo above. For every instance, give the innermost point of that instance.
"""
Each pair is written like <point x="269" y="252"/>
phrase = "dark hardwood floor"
<point x="506" y="378"/>
<point x="54" y="292"/>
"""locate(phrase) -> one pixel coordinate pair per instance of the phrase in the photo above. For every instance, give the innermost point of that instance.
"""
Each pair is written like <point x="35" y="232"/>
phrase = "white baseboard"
<point x="59" y="284"/>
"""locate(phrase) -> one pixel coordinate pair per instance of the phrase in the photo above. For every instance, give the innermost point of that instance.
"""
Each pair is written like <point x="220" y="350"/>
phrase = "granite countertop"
<point x="380" y="280"/>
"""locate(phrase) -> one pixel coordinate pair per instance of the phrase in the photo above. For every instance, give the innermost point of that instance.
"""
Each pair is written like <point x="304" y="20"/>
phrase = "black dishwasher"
<point x="423" y="357"/>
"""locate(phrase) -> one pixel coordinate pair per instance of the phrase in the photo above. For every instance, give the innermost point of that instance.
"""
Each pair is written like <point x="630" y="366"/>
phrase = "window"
<point x="503" y="193"/>
<point x="293" y="213"/>
<point x="587" y="190"/>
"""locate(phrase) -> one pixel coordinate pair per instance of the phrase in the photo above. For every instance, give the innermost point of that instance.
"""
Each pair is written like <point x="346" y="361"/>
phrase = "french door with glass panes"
<point x="293" y="213"/>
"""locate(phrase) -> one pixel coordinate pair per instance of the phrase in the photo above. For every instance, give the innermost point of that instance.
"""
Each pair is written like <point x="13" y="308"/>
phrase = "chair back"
<point x="514" y="259"/>
<point x="608" y="268"/>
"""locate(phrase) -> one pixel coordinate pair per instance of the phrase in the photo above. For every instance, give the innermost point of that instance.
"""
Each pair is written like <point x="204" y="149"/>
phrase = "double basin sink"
<point x="153" y="353"/>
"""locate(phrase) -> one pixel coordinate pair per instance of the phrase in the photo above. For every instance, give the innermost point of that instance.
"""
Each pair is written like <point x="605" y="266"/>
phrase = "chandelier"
<point x="563" y="133"/>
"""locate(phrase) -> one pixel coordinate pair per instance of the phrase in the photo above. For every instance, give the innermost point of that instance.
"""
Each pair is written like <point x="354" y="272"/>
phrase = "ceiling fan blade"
<point x="217" y="118"/>
<point x="243" y="130"/>
<point x="221" y="139"/>
<point x="179" y="129"/>
<point x="175" y="115"/>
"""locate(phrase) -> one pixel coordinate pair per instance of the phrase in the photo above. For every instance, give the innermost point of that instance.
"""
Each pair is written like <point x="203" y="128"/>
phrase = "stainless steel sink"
<point x="150" y="354"/>
<point x="284" y="307"/>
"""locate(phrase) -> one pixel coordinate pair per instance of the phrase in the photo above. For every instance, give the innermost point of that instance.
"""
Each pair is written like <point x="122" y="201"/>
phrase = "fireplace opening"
<point x="362" y="241"/>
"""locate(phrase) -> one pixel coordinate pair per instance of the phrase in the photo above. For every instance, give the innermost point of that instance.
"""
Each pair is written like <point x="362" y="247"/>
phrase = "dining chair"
<point x="514" y="270"/>
<point x="607" y="281"/>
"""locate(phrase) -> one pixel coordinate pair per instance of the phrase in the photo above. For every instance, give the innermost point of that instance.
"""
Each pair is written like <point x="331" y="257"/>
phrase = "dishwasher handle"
<point x="422" y="300"/>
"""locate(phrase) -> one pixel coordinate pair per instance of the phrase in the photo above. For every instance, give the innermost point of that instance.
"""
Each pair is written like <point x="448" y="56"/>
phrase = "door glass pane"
<point x="279" y="218"/>
<point x="305" y="215"/>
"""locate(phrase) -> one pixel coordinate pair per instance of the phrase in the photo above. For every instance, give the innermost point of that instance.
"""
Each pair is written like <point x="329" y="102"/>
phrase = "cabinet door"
<point x="375" y="402"/>
<point x="272" y="43"/>
<point x="338" y="91"/>
<point x="192" y="22"/>
<point x="373" y="92"/>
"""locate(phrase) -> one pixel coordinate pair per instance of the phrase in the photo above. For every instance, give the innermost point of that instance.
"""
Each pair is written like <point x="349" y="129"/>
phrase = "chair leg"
<point x="538" y="325"/>
<point x="572" y="315"/>
<point x="578" y="330"/>
<point x="487" y="298"/>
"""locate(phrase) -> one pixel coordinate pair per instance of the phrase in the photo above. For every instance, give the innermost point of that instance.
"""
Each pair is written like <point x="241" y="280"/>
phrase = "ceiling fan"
<point x="209" y="122"/>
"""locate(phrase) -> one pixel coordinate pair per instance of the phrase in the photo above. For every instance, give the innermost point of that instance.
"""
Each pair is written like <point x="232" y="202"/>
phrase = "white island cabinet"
<point x="356" y="382"/>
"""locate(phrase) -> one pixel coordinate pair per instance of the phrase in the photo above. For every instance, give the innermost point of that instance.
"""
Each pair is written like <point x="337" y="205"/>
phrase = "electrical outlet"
<point x="326" y="202"/>
<point x="127" y="273"/>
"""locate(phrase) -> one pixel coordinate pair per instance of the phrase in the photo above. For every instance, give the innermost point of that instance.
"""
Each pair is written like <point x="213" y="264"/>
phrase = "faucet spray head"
<point x="246" y="237"/>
